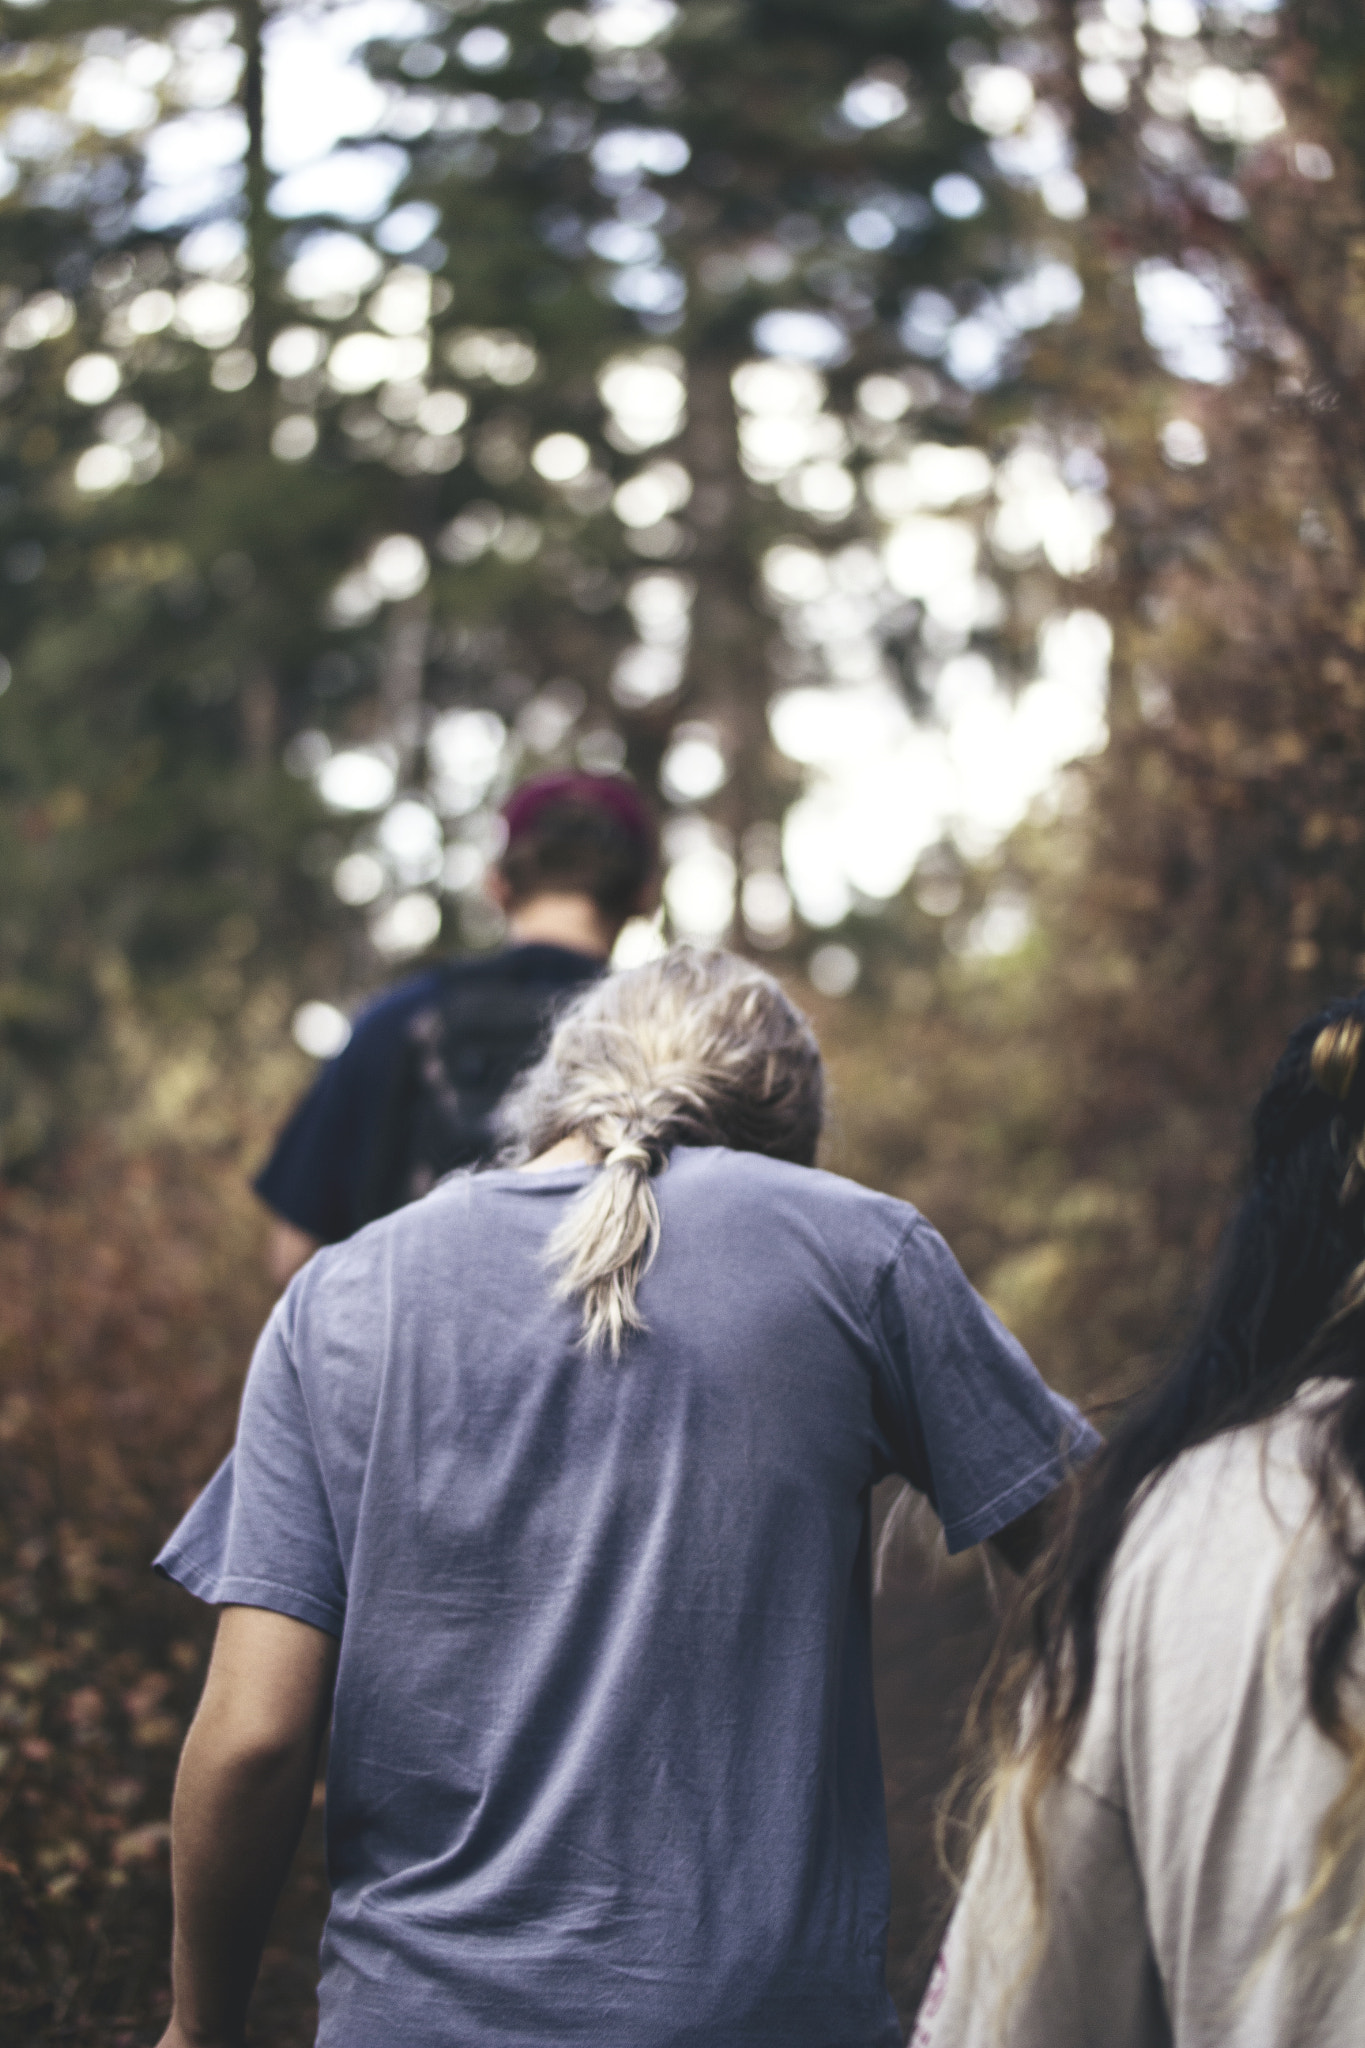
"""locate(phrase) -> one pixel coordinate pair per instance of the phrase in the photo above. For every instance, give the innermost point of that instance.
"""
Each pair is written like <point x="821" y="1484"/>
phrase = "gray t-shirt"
<point x="1181" y="1843"/>
<point x="604" y="1764"/>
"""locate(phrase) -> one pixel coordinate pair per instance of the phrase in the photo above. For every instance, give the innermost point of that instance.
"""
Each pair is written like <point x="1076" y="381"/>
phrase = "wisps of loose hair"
<point x="1287" y="1304"/>
<point x="696" y="1048"/>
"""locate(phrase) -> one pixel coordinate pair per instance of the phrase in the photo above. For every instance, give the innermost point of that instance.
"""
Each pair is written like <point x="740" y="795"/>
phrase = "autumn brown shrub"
<point x="130" y="1294"/>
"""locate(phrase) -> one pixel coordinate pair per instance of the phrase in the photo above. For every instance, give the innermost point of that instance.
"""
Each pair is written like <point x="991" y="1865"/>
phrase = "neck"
<point x="570" y="920"/>
<point x="571" y="1151"/>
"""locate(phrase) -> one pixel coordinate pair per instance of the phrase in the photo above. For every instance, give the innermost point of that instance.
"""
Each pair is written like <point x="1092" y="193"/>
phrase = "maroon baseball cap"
<point x="614" y="794"/>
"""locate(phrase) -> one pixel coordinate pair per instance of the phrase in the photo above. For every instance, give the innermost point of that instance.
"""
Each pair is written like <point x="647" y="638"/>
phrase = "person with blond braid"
<point x="1175" y="1855"/>
<point x="551" y="1490"/>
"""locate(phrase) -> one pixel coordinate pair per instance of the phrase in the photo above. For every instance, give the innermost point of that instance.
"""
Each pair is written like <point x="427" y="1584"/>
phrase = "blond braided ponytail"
<point x="699" y="1047"/>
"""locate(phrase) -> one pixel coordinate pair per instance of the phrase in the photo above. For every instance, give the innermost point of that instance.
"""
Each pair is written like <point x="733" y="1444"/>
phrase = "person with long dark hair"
<point x="1174" y="1848"/>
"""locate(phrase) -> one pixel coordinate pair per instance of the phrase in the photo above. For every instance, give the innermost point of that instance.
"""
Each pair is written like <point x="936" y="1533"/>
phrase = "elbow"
<point x="264" y="1758"/>
<point x="249" y="1755"/>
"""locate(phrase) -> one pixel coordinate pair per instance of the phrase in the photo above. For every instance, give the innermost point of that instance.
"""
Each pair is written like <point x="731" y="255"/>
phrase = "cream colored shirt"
<point x="1186" y="1827"/>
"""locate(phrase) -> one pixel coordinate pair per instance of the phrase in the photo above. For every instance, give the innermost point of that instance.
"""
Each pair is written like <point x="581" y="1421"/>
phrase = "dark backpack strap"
<point x="461" y="1053"/>
<point x="383" y="1175"/>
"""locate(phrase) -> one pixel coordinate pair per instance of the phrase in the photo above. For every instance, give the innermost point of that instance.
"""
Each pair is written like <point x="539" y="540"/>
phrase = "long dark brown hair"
<point x="1286" y="1304"/>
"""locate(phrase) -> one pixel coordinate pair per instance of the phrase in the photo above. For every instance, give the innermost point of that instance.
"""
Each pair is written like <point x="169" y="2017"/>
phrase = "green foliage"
<point x="207" y="453"/>
<point x="155" y="635"/>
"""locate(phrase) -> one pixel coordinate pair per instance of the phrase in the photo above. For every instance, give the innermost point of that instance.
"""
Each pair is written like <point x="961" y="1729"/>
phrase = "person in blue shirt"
<point x="412" y="1093"/>
<point x="552" y="1493"/>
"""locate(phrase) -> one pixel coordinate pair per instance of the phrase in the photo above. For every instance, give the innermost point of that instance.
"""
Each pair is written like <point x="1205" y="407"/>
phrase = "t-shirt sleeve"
<point x="967" y="1416"/>
<point x="261" y="1534"/>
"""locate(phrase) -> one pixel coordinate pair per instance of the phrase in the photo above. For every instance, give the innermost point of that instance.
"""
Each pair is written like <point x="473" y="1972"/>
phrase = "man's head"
<point x="576" y="836"/>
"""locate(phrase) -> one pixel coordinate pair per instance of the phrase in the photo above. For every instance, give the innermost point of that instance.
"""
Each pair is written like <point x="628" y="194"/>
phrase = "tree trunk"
<point x="259" y="227"/>
<point x="727" y="676"/>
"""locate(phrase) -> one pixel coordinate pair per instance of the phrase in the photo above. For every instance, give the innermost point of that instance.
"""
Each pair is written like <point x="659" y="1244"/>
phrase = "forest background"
<point x="923" y="442"/>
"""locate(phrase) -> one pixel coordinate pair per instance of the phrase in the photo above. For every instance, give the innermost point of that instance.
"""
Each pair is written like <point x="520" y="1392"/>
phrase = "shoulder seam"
<point x="917" y="1222"/>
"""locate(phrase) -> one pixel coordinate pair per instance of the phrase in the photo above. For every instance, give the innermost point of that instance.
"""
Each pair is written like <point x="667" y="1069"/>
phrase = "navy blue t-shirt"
<point x="318" y="1175"/>
<point x="604" y="1769"/>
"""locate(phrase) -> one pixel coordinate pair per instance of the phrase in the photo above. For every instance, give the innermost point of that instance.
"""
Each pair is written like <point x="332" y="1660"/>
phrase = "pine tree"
<point x="166" y="575"/>
<point x="503" y="481"/>
<point x="653" y="199"/>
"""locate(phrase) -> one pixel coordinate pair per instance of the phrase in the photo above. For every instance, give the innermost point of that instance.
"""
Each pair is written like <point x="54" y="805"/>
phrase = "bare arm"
<point x="287" y="1248"/>
<point x="241" y="1795"/>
